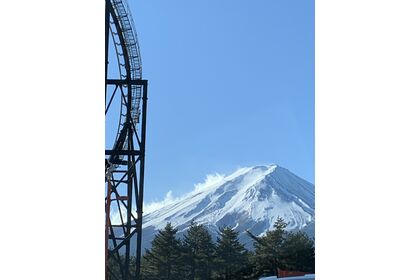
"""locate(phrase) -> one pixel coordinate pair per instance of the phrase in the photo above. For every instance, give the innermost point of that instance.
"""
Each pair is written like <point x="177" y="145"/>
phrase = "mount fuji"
<point x="249" y="199"/>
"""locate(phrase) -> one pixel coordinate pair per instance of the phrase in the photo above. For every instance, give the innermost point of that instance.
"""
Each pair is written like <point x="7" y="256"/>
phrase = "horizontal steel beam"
<point x="122" y="153"/>
<point x="126" y="82"/>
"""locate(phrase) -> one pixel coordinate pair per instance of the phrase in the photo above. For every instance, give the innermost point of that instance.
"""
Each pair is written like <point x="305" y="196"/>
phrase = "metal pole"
<point x="107" y="15"/>
<point x="141" y="183"/>
<point x="107" y="224"/>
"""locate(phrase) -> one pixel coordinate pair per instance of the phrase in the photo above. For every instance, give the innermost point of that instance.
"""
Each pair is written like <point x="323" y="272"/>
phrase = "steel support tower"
<point x="124" y="162"/>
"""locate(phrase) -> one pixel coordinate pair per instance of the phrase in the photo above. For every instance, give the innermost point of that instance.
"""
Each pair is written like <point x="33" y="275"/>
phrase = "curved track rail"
<point x="127" y="50"/>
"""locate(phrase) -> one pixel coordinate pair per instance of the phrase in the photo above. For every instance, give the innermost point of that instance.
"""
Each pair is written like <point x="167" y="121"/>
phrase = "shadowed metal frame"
<point x="124" y="163"/>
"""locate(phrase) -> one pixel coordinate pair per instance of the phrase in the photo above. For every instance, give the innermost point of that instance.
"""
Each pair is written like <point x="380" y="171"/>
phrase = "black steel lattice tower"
<point x="124" y="162"/>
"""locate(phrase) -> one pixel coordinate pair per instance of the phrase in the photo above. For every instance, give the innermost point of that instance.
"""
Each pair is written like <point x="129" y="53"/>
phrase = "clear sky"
<point x="231" y="84"/>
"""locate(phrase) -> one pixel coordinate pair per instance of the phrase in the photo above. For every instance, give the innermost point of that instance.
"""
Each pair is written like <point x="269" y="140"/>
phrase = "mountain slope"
<point x="249" y="199"/>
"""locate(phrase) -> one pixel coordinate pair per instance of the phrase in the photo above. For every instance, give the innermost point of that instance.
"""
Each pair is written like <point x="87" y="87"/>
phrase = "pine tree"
<point x="300" y="252"/>
<point x="162" y="261"/>
<point x="269" y="252"/>
<point x="231" y="255"/>
<point x="198" y="253"/>
<point x="284" y="250"/>
<point x="115" y="272"/>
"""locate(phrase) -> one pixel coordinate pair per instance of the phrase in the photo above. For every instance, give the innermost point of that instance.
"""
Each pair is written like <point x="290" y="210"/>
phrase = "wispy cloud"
<point x="116" y="218"/>
<point x="152" y="206"/>
<point x="209" y="181"/>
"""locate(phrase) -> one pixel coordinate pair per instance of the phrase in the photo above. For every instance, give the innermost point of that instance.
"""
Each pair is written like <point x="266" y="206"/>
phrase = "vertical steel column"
<point x="130" y="167"/>
<point x="108" y="199"/>
<point x="107" y="17"/>
<point x="141" y="183"/>
<point x="107" y="225"/>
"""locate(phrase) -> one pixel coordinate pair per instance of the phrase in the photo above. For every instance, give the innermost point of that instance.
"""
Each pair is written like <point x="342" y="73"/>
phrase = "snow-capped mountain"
<point x="249" y="199"/>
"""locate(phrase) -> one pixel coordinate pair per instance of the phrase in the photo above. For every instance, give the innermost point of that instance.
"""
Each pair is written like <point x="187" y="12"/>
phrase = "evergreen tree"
<point x="115" y="272"/>
<point x="280" y="249"/>
<point x="247" y="271"/>
<point x="269" y="252"/>
<point x="231" y="255"/>
<point x="162" y="261"/>
<point x="198" y="253"/>
<point x="300" y="252"/>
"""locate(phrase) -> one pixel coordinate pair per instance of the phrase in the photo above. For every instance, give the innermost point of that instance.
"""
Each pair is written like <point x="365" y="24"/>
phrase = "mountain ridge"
<point x="251" y="199"/>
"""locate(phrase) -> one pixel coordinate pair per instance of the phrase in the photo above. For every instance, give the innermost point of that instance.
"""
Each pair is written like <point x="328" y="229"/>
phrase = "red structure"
<point x="287" y="273"/>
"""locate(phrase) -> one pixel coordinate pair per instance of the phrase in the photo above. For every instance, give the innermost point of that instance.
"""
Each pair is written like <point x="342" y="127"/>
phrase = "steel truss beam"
<point x="125" y="183"/>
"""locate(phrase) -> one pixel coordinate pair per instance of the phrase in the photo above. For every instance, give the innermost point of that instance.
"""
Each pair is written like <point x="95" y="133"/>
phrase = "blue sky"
<point x="231" y="84"/>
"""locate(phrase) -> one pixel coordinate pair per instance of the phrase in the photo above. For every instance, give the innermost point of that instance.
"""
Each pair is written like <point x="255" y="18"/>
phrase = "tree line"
<point x="197" y="257"/>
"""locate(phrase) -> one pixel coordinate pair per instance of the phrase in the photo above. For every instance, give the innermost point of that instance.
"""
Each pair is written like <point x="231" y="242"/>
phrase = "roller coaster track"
<point x="125" y="39"/>
<point x="127" y="50"/>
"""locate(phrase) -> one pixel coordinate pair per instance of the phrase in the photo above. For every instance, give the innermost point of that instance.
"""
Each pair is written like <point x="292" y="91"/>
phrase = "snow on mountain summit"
<point x="249" y="199"/>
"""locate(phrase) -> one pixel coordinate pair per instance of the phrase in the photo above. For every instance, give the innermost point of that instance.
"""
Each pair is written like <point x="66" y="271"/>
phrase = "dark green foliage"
<point x="163" y="260"/>
<point x="114" y="269"/>
<point x="198" y="258"/>
<point x="247" y="270"/>
<point x="299" y="252"/>
<point x="284" y="250"/>
<point x="198" y="253"/>
<point x="231" y="255"/>
<point x="269" y="254"/>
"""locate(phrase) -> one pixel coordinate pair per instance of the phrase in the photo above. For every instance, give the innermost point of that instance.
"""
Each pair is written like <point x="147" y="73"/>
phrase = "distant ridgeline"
<point x="251" y="199"/>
